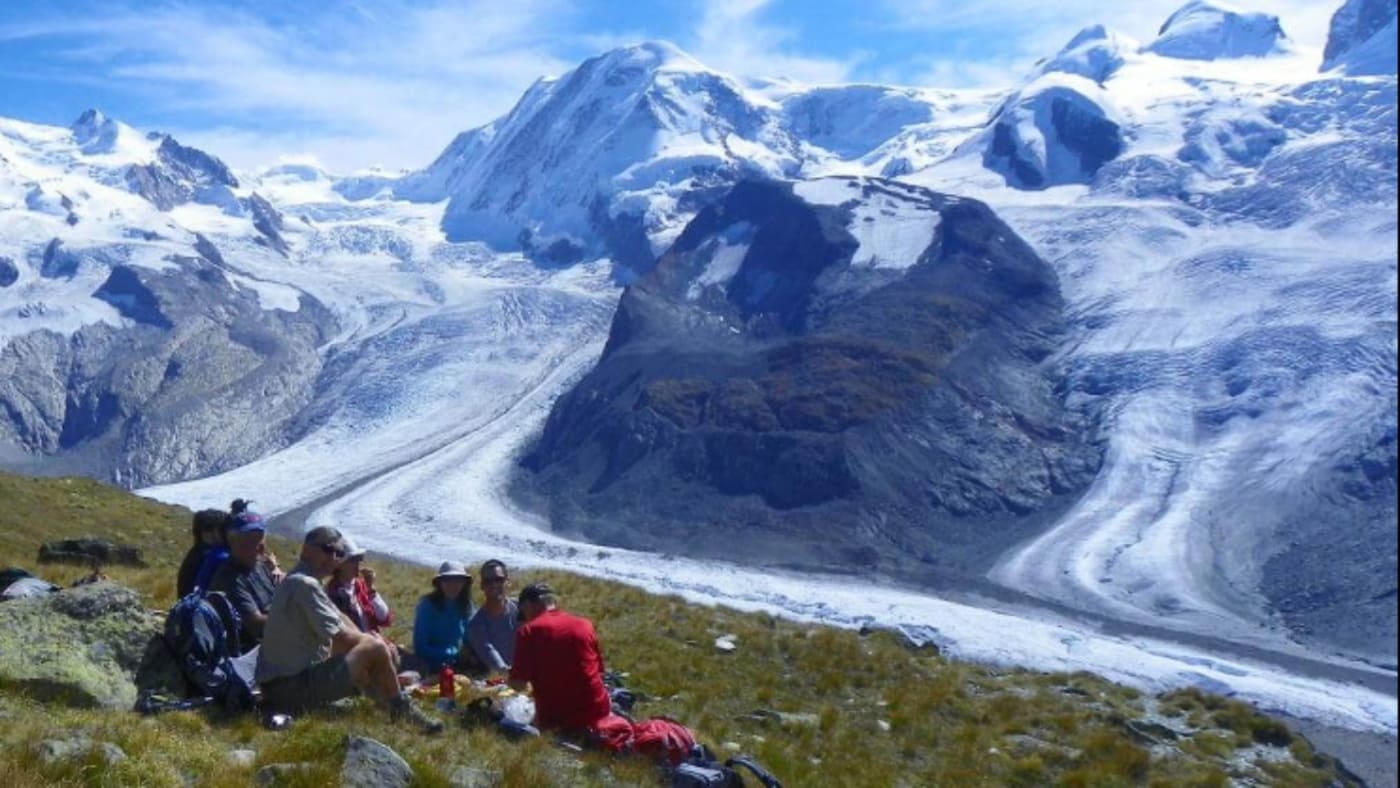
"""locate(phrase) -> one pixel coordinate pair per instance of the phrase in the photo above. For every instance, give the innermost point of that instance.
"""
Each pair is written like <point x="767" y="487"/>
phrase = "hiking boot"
<point x="405" y="710"/>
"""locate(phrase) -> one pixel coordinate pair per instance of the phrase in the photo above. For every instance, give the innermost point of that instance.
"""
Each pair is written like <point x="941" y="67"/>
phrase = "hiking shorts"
<point x="319" y="685"/>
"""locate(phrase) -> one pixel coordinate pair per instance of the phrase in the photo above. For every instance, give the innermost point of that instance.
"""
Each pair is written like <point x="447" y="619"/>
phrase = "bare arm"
<point x="347" y="638"/>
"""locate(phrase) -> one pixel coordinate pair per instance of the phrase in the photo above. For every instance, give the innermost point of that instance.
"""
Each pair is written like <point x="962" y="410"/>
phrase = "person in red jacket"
<point x="557" y="655"/>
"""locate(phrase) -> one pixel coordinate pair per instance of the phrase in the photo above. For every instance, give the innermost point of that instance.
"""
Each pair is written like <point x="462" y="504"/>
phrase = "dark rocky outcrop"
<point x="55" y="262"/>
<point x="88" y="646"/>
<point x="90" y="550"/>
<point x="1074" y="139"/>
<point x="267" y="220"/>
<point x="813" y="412"/>
<point x="9" y="272"/>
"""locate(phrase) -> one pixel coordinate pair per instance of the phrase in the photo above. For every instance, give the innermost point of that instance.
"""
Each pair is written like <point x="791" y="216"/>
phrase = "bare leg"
<point x="372" y="669"/>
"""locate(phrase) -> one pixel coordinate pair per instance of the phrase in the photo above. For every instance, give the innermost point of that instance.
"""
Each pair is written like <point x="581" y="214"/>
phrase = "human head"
<point x="322" y="550"/>
<point x="495" y="579"/>
<point x="350" y="567"/>
<point x="535" y="599"/>
<point x="244" y="532"/>
<point x="453" y="582"/>
<point x="205" y="525"/>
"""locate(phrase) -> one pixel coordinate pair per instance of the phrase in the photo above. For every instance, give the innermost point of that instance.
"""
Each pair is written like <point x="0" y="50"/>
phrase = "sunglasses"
<point x="490" y="581"/>
<point x="333" y="550"/>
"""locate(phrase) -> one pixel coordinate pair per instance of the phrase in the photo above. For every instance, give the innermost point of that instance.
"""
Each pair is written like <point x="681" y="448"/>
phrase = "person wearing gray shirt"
<point x="491" y="631"/>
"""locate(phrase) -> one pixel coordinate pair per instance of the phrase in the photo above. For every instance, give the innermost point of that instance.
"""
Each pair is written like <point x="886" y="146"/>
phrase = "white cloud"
<point x="732" y="36"/>
<point x="390" y="84"/>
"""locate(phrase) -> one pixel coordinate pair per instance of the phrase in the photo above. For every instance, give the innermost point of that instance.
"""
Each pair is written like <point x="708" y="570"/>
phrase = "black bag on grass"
<point x="704" y="770"/>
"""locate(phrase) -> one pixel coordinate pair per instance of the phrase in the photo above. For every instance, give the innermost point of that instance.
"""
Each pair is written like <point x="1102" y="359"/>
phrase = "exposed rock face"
<point x="182" y="174"/>
<point x="205" y="378"/>
<point x="1055" y="132"/>
<point x="1361" y="38"/>
<point x="788" y="386"/>
<point x="1333" y="573"/>
<point x="82" y="646"/>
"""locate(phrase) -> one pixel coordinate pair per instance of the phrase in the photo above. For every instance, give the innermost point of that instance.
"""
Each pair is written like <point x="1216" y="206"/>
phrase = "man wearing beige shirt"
<point x="312" y="655"/>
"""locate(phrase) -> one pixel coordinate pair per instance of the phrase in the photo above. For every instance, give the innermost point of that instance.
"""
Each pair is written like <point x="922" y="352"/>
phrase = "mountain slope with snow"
<point x="614" y="157"/>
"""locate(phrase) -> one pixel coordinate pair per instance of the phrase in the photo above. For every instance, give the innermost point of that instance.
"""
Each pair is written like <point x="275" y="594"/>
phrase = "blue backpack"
<point x="202" y="632"/>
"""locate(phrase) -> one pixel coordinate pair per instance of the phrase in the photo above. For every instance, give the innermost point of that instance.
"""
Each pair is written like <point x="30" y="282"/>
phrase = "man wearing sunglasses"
<point x="312" y="655"/>
<point x="491" y="631"/>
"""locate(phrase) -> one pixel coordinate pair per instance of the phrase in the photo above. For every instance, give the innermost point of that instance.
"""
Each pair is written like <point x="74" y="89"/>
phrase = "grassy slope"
<point x="948" y="723"/>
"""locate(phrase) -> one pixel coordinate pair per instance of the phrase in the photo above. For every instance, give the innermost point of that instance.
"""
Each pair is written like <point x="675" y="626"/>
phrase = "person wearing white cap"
<point x="440" y="620"/>
<point x="352" y="590"/>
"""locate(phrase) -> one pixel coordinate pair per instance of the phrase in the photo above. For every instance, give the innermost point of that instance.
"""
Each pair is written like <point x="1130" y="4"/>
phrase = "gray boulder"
<point x="83" y="646"/>
<point x="9" y="272"/>
<point x="369" y="764"/>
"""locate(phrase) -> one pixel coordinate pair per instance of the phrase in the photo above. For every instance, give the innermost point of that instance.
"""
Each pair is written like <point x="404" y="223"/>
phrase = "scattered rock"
<point x="90" y="550"/>
<point x="1149" y="732"/>
<point x="280" y="773"/>
<point x="470" y="777"/>
<point x="243" y="759"/>
<point x="883" y="725"/>
<point x="82" y="646"/>
<point x="369" y="764"/>
<point x="784" y="718"/>
<point x="1024" y="744"/>
<point x="725" y="644"/>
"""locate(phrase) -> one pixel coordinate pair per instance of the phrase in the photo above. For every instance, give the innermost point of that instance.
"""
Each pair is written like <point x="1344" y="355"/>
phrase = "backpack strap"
<point x="768" y="780"/>
<point x="229" y="621"/>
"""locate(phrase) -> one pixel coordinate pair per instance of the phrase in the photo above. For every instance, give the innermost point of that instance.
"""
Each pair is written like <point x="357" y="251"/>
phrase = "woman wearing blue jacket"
<point x="440" y="621"/>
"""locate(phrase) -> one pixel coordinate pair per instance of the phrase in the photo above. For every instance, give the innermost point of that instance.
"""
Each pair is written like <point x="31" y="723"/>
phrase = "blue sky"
<point x="389" y="82"/>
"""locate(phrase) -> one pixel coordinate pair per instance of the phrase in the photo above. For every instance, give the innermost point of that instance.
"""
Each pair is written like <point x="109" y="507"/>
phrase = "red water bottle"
<point x="447" y="684"/>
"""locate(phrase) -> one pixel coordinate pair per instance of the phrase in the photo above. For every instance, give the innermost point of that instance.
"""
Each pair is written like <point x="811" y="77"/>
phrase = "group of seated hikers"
<point x="317" y="628"/>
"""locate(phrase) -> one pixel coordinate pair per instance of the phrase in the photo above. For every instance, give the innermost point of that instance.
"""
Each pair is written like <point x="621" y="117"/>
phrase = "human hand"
<point x="367" y="575"/>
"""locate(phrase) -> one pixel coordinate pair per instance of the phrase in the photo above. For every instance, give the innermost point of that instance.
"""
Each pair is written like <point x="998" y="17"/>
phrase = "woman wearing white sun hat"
<point x="440" y="620"/>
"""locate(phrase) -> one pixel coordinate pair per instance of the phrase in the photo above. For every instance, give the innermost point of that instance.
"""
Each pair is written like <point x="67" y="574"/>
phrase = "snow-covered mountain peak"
<point x="651" y="57"/>
<point x="1095" y="53"/>
<point x="1203" y="30"/>
<point x="95" y="134"/>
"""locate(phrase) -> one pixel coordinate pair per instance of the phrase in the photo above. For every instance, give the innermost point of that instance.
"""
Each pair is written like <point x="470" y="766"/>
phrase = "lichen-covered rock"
<point x="52" y="751"/>
<point x="81" y="646"/>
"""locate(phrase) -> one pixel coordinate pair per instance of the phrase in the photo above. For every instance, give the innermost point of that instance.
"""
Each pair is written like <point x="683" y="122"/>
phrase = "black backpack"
<point x="704" y="770"/>
<point x="202" y="632"/>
